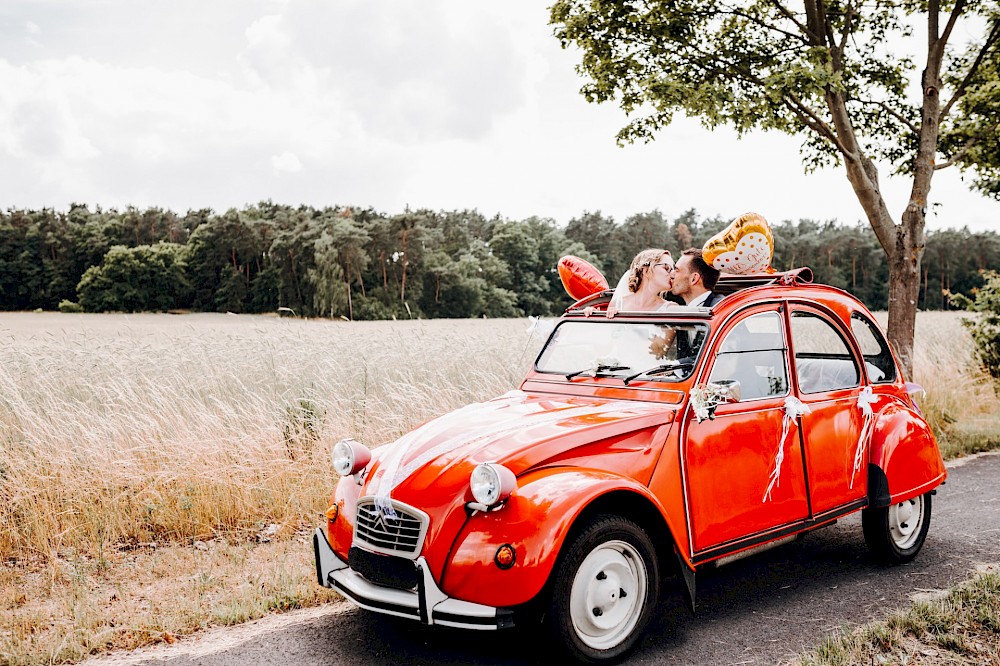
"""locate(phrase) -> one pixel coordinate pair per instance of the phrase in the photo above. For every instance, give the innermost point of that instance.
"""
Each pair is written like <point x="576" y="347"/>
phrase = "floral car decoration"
<point x="637" y="447"/>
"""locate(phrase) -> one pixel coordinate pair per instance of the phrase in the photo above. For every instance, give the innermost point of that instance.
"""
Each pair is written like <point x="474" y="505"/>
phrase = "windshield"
<point x="632" y="350"/>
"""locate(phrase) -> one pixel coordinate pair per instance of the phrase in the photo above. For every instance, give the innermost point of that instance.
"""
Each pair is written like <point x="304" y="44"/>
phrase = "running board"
<point x="753" y="551"/>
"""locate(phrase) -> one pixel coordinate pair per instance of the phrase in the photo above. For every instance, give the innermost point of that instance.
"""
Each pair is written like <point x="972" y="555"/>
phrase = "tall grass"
<point x="961" y="401"/>
<point x="122" y="430"/>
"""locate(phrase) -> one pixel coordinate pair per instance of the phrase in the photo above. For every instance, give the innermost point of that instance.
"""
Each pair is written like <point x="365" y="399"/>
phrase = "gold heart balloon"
<point x="745" y="246"/>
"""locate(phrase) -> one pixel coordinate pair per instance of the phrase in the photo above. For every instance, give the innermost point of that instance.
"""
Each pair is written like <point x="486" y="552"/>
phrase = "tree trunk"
<point x="347" y="283"/>
<point x="904" y="289"/>
<point x="402" y="286"/>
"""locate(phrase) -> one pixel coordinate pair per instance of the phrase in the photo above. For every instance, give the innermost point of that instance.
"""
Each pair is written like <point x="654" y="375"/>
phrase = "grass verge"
<point x="963" y="628"/>
<point x="79" y="605"/>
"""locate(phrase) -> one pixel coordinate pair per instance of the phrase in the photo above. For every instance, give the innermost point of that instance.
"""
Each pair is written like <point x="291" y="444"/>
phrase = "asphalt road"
<point x="760" y="610"/>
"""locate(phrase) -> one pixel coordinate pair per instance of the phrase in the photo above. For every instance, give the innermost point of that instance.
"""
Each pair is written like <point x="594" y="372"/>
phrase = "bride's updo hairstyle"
<point x="640" y="265"/>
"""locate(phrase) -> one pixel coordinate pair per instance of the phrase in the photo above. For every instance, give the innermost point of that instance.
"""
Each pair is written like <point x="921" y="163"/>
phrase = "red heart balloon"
<point x="580" y="277"/>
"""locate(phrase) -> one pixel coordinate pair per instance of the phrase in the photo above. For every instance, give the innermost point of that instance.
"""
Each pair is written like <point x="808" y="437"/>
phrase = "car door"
<point x="744" y="468"/>
<point x="828" y="381"/>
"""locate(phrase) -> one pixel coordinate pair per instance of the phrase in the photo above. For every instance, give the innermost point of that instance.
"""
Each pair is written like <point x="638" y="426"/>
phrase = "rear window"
<point x="879" y="364"/>
<point x="823" y="359"/>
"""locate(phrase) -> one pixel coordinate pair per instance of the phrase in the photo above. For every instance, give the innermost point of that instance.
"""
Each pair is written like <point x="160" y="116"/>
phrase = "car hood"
<point x="519" y="430"/>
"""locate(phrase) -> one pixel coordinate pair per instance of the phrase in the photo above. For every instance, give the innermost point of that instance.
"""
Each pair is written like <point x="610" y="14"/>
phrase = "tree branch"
<point x="991" y="40"/>
<point x="964" y="150"/>
<point x="813" y="23"/>
<point x="830" y="38"/>
<point x="811" y="120"/>
<point x="838" y="51"/>
<point x="952" y="20"/>
<point x="766" y="25"/>
<point x="895" y="114"/>
<point x="791" y="17"/>
<point x="954" y="159"/>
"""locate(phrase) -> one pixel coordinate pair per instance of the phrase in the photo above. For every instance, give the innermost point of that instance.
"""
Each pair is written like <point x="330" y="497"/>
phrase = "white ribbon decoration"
<point x="539" y="326"/>
<point x="865" y="401"/>
<point x="794" y="408"/>
<point x="389" y="467"/>
<point x="392" y="471"/>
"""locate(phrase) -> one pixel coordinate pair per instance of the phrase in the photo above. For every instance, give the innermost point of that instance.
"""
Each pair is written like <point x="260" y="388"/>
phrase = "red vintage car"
<point x="638" y="446"/>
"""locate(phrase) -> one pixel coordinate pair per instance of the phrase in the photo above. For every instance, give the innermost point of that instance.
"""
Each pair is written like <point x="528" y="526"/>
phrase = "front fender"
<point x="535" y="521"/>
<point x="904" y="449"/>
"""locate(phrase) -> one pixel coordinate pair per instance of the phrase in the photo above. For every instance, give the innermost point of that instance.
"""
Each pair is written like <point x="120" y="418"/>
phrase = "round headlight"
<point x="492" y="483"/>
<point x="350" y="457"/>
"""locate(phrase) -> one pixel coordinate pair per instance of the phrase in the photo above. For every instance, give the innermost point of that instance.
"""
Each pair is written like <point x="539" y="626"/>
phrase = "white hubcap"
<point x="905" y="519"/>
<point x="608" y="595"/>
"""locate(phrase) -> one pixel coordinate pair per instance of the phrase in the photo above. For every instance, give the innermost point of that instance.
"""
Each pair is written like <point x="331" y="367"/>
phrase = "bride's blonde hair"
<point x="640" y="264"/>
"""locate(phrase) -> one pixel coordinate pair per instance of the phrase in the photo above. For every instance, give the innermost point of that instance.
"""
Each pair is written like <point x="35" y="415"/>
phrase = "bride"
<point x="644" y="285"/>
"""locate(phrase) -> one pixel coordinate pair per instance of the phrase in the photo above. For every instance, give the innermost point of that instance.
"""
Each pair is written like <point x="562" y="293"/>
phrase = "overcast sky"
<point x="443" y="104"/>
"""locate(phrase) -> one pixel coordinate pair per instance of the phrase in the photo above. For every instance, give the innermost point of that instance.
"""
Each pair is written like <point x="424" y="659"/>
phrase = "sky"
<point x="440" y="104"/>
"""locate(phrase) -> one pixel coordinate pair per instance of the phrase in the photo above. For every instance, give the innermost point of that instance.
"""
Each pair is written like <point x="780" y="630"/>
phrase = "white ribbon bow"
<point x="865" y="401"/>
<point x="539" y="326"/>
<point x="794" y="408"/>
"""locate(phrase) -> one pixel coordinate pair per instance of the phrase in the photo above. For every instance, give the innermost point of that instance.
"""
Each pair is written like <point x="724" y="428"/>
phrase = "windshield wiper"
<point x="597" y="369"/>
<point x="664" y="367"/>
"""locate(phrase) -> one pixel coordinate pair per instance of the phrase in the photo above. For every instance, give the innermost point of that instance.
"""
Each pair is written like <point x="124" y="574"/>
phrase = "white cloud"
<point x="443" y="103"/>
<point x="286" y="162"/>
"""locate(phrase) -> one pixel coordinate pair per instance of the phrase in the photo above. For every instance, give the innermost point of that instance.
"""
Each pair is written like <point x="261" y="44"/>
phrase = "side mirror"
<point x="728" y="389"/>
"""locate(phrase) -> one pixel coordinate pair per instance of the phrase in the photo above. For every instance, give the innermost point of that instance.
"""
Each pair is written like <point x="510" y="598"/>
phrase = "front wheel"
<point x="896" y="533"/>
<point x="604" y="591"/>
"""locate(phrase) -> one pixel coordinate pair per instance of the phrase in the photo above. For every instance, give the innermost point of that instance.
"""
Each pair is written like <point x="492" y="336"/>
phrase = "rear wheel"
<point x="896" y="533"/>
<point x="604" y="590"/>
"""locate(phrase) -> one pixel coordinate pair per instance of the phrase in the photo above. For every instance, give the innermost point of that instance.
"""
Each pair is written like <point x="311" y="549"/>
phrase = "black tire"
<point x="588" y="616"/>
<point x="896" y="533"/>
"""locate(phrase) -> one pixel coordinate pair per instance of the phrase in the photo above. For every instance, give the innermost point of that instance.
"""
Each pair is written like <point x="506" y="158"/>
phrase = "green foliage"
<point x="773" y="66"/>
<point x="985" y="328"/>
<point x="133" y="279"/>
<point x="351" y="263"/>
<point x="972" y="139"/>
<point x="750" y="65"/>
<point x="69" y="306"/>
<point x="302" y="427"/>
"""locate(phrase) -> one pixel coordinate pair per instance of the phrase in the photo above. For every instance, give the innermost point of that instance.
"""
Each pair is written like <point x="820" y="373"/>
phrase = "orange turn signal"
<point x="505" y="557"/>
<point x="332" y="513"/>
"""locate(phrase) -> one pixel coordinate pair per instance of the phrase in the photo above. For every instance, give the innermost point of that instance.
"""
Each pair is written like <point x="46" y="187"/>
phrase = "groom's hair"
<point x="709" y="274"/>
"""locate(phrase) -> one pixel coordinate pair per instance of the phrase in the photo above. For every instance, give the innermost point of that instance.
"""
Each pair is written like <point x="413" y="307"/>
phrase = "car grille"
<point x="402" y="536"/>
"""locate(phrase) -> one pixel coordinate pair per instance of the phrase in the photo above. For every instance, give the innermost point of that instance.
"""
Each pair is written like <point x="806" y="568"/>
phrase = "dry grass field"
<point x="161" y="474"/>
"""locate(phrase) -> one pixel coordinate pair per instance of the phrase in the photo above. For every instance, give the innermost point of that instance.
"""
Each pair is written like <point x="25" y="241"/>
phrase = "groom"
<point x="693" y="280"/>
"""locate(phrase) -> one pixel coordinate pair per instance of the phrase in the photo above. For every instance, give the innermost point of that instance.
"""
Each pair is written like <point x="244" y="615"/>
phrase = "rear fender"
<point x="535" y="521"/>
<point x="905" y="460"/>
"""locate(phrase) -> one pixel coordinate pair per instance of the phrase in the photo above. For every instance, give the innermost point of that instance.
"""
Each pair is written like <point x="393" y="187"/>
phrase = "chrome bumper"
<point x="427" y="603"/>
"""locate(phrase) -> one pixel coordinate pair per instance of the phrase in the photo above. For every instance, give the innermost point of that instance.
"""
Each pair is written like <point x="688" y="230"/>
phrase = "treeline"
<point x="362" y="264"/>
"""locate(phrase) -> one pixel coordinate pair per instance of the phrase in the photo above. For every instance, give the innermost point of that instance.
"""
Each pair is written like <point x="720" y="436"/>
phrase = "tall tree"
<point x="827" y="71"/>
<point x="135" y="279"/>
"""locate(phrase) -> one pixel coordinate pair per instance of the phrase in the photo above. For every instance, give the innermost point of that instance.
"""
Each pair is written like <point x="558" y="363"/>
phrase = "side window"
<point x="823" y="359"/>
<point x="878" y="359"/>
<point x="753" y="353"/>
